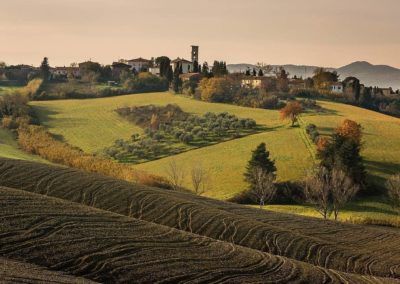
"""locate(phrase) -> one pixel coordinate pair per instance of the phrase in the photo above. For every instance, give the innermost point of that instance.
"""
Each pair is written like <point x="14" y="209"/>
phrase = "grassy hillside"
<point x="111" y="248"/>
<point x="347" y="248"/>
<point x="93" y="125"/>
<point x="9" y="148"/>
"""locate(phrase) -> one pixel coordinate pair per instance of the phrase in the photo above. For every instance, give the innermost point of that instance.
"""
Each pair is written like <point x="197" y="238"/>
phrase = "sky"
<point x="312" y="32"/>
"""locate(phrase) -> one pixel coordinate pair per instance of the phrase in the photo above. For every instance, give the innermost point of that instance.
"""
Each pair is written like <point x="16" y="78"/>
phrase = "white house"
<point x="154" y="70"/>
<point x="187" y="66"/>
<point x="139" y="64"/>
<point x="64" y="71"/>
<point x="252" y="82"/>
<point x="336" y="88"/>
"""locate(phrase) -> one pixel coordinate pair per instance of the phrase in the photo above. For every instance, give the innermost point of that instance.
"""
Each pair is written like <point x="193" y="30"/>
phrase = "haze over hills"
<point x="369" y="74"/>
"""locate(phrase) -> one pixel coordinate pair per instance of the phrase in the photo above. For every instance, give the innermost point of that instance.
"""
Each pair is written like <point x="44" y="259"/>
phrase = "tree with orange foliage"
<point x="350" y="129"/>
<point x="291" y="111"/>
<point x="343" y="152"/>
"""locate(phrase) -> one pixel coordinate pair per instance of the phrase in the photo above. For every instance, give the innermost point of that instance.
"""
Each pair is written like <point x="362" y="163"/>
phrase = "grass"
<point x="9" y="89"/>
<point x="91" y="225"/>
<point x="93" y="125"/>
<point x="372" y="210"/>
<point x="9" y="148"/>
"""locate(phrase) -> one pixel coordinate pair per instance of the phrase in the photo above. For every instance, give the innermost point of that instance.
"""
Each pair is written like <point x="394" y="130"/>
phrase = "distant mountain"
<point x="372" y="75"/>
<point x="369" y="74"/>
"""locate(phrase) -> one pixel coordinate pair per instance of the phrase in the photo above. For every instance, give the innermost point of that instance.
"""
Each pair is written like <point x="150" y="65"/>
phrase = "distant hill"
<point x="372" y="75"/>
<point x="369" y="74"/>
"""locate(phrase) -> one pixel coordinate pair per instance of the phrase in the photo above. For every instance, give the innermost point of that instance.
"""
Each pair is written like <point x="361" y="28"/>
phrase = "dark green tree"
<point x="205" y="70"/>
<point x="248" y="72"/>
<point x="195" y="67"/>
<point x="164" y="62"/>
<point x="177" y="81"/>
<point x="259" y="159"/>
<point x="254" y="72"/>
<point x="170" y="74"/>
<point x="260" y="73"/>
<point x="344" y="153"/>
<point x="45" y="69"/>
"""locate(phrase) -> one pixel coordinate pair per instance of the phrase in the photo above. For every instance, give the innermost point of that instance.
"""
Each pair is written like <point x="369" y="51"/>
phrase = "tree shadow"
<point x="367" y="208"/>
<point x="387" y="168"/>
<point x="43" y="113"/>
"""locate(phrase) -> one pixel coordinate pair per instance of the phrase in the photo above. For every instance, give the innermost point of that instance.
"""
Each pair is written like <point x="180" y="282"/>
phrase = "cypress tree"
<point x="45" y="69"/>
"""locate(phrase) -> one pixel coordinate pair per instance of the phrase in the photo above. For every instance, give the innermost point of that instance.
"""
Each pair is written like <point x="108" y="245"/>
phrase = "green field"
<point x="9" y="148"/>
<point x="93" y="125"/>
<point x="6" y="90"/>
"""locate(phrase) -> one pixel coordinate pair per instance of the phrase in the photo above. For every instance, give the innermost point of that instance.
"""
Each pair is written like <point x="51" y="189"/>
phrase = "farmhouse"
<point x="140" y="64"/>
<point x="336" y="87"/>
<point x="118" y="67"/>
<point x="187" y="66"/>
<point x="297" y="84"/>
<point x="155" y="70"/>
<point x="58" y="72"/>
<point x="252" y="82"/>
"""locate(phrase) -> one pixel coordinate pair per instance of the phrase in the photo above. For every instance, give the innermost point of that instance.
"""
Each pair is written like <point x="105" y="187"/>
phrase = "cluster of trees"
<point x="228" y="89"/>
<point x="166" y="127"/>
<point x="338" y="178"/>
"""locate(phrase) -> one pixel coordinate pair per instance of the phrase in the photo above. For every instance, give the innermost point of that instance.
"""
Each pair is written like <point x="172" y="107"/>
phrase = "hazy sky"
<point x="314" y="32"/>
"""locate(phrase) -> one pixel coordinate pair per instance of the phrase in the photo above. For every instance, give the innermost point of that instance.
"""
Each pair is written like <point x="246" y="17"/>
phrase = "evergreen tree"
<point x="248" y="71"/>
<point x="45" y="69"/>
<point x="260" y="73"/>
<point x="195" y="67"/>
<point x="177" y="81"/>
<point x="164" y="62"/>
<point x="180" y="69"/>
<point x="205" y="70"/>
<point x="170" y="74"/>
<point x="260" y="159"/>
<point x="254" y="72"/>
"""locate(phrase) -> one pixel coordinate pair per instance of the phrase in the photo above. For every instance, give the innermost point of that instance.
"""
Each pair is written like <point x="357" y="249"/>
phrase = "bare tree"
<point x="266" y="68"/>
<point x="342" y="190"/>
<point x="393" y="186"/>
<point x="200" y="179"/>
<point x="263" y="189"/>
<point x="330" y="191"/>
<point x="317" y="192"/>
<point x="175" y="174"/>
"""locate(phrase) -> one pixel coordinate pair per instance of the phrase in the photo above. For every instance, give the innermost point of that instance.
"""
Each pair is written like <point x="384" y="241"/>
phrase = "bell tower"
<point x="195" y="54"/>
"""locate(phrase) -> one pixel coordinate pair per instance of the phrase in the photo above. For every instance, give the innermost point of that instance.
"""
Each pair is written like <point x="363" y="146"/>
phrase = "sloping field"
<point x="93" y="125"/>
<point x="111" y="248"/>
<point x="347" y="248"/>
<point x="20" y="272"/>
<point x="9" y="148"/>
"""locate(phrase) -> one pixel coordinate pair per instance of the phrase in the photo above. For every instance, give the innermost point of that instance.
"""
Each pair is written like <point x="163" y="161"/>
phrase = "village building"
<point x="386" y="91"/>
<point x="62" y="72"/>
<point x="336" y="88"/>
<point x="117" y="68"/>
<point x="139" y="64"/>
<point x="297" y="84"/>
<point x="186" y="65"/>
<point x="155" y="70"/>
<point x="252" y="82"/>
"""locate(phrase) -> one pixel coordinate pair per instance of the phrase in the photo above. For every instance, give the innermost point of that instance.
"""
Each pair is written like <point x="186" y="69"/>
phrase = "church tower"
<point x="195" y="54"/>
